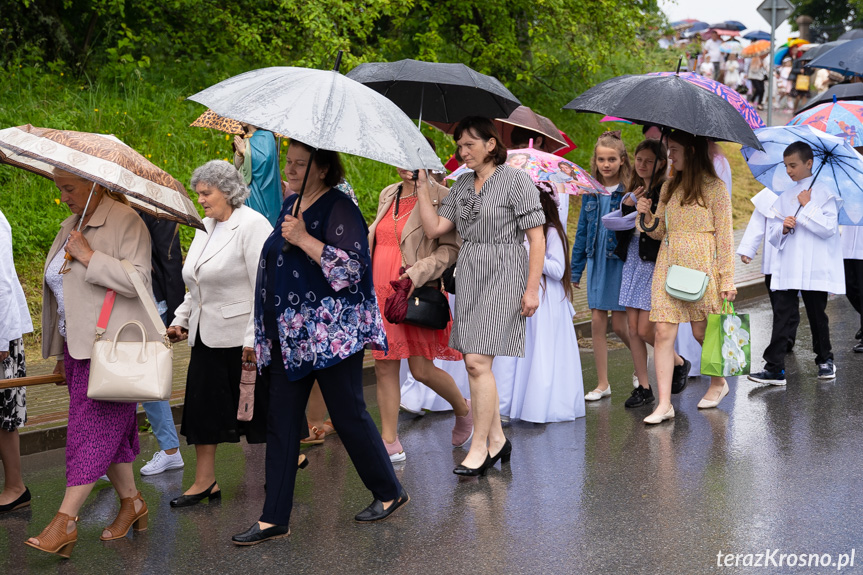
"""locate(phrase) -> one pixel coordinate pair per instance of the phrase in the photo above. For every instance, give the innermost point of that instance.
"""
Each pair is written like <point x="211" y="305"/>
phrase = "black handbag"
<point x="428" y="307"/>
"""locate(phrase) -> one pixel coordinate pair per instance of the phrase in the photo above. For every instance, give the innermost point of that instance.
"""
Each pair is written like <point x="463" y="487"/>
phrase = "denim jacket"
<point x="586" y="234"/>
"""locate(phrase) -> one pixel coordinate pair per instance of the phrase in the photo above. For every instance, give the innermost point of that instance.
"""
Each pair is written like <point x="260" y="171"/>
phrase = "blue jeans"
<point x="161" y="419"/>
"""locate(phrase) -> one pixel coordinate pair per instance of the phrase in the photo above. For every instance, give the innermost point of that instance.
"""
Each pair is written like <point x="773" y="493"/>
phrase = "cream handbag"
<point x="131" y="371"/>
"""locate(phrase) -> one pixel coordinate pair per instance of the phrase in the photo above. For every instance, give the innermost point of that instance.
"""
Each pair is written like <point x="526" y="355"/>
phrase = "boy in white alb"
<point x="805" y="232"/>
<point x="755" y="234"/>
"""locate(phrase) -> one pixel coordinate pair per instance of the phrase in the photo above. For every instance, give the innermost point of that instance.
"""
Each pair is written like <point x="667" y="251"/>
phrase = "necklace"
<point x="397" y="216"/>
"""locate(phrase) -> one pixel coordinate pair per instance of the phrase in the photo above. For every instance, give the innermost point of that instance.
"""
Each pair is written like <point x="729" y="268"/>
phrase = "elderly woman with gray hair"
<point x="216" y="317"/>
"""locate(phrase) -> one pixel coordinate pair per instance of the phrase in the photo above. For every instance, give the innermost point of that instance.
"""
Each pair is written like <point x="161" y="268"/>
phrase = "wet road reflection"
<point x="772" y="468"/>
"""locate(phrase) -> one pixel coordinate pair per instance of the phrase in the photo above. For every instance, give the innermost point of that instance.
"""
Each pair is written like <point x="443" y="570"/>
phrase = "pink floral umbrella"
<point x="566" y="176"/>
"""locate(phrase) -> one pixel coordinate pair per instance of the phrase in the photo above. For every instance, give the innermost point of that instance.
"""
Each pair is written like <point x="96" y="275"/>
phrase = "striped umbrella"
<point x="728" y="94"/>
<point x="843" y="119"/>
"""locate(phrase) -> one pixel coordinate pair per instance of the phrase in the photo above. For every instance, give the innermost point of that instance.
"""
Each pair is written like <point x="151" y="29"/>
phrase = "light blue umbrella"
<point x="837" y="165"/>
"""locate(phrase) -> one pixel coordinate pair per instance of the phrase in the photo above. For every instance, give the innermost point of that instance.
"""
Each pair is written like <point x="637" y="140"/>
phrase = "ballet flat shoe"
<point x="654" y="419"/>
<point x="707" y="404"/>
<point x="597" y="394"/>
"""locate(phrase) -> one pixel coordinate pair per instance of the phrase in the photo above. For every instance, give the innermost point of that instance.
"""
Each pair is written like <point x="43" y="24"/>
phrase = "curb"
<point x="55" y="437"/>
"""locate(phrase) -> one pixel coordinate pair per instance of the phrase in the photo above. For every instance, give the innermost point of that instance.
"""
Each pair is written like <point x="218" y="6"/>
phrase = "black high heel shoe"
<point x="189" y="500"/>
<point x="503" y="455"/>
<point x="465" y="471"/>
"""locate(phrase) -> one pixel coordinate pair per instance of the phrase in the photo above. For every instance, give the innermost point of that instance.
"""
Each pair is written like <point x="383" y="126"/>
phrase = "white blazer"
<point x="14" y="316"/>
<point x="222" y="284"/>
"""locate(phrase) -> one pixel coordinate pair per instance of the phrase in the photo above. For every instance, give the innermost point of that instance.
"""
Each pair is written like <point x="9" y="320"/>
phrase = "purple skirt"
<point x="100" y="432"/>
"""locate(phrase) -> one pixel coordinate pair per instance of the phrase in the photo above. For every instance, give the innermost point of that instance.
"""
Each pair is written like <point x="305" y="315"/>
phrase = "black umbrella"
<point x="729" y="25"/>
<point x="757" y="35"/>
<point x="819" y="50"/>
<point x="437" y="92"/>
<point x="838" y="92"/>
<point x="846" y="58"/>
<point x="667" y="101"/>
<point x="852" y="34"/>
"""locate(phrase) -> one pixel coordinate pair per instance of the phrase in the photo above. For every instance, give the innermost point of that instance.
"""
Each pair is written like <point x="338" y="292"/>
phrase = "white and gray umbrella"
<point x="324" y="109"/>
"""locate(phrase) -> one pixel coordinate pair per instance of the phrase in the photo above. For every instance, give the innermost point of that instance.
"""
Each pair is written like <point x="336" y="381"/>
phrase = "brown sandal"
<point x="328" y="428"/>
<point x="127" y="517"/>
<point x="316" y="436"/>
<point x="55" y="538"/>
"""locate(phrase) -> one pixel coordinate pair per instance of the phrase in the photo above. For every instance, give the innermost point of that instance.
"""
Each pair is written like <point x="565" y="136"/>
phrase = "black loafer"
<point x="254" y="534"/>
<point x="22" y="501"/>
<point x="376" y="511"/>
<point x="189" y="500"/>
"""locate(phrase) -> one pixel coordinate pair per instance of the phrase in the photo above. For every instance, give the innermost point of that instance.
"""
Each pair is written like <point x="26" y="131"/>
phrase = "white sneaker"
<point x="162" y="462"/>
<point x="596" y="394"/>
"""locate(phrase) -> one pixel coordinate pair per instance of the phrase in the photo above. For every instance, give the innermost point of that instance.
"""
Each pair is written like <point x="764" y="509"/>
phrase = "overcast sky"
<point x="710" y="11"/>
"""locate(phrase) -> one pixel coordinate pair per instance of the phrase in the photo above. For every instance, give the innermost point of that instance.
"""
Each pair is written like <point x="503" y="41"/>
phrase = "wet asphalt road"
<point x="770" y="469"/>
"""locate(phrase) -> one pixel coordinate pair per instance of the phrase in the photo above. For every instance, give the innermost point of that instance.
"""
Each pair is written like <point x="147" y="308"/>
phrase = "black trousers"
<point x="342" y="387"/>
<point x="794" y="314"/>
<point x="785" y="306"/>
<point x="854" y="285"/>
<point x="757" y="91"/>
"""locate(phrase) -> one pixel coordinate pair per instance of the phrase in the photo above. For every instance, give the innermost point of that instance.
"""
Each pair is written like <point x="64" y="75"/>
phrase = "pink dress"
<point x="404" y="340"/>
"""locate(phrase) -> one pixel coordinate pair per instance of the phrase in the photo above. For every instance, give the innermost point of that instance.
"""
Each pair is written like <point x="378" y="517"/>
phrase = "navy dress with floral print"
<point x="319" y="312"/>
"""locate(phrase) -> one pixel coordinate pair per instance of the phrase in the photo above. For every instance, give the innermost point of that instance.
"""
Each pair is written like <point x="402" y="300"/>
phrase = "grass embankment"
<point x="152" y="115"/>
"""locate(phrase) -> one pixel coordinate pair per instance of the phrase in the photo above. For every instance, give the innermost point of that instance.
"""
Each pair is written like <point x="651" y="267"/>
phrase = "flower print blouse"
<point x="318" y="312"/>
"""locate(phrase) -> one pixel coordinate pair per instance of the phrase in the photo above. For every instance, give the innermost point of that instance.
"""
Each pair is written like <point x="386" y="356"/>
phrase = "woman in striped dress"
<point x="492" y="208"/>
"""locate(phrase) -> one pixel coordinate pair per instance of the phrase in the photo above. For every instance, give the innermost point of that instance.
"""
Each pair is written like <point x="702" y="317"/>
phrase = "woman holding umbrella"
<point x="315" y="312"/>
<point x="492" y="208"/>
<point x="102" y="436"/>
<point x="694" y="221"/>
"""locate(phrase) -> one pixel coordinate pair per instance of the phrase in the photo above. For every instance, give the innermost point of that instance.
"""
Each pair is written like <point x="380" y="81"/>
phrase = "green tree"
<point x="830" y="18"/>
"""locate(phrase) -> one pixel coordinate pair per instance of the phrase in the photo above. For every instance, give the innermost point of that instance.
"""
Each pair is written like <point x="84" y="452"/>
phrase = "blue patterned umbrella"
<point x="837" y="165"/>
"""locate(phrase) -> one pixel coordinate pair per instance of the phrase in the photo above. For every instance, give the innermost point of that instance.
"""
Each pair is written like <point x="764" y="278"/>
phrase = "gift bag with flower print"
<point x="726" y="350"/>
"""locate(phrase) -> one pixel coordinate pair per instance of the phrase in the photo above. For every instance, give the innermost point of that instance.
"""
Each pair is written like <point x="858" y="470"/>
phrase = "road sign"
<point x="784" y="8"/>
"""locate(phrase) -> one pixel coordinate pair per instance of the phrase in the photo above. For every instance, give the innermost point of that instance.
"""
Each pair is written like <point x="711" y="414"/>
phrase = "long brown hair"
<point x="660" y="154"/>
<point x="552" y="220"/>
<point x="697" y="166"/>
<point x="612" y="141"/>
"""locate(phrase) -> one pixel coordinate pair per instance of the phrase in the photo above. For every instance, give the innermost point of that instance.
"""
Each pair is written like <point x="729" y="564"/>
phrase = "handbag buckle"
<point x="417" y="301"/>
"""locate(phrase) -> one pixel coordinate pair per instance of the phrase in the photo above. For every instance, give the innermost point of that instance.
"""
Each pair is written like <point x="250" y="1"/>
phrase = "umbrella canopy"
<point x="724" y="32"/>
<point x="757" y="35"/>
<point x="758" y="48"/>
<point x="699" y="26"/>
<point x="523" y="117"/>
<point x="780" y="54"/>
<point x="842" y="119"/>
<point x="852" y="34"/>
<point x="729" y="25"/>
<point x="837" y="165"/>
<point x="210" y="119"/>
<point x="323" y="109"/>
<point x="821" y="49"/>
<point x="566" y="176"/>
<point x="836" y="93"/>
<point x="684" y="24"/>
<point x="727" y="93"/>
<point x="731" y="47"/>
<point x="102" y="159"/>
<point x="615" y="119"/>
<point x="667" y="100"/>
<point x="846" y="59"/>
<point x="437" y="92"/>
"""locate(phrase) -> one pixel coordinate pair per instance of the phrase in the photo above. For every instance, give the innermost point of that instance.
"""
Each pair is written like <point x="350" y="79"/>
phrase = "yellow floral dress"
<point x="697" y="237"/>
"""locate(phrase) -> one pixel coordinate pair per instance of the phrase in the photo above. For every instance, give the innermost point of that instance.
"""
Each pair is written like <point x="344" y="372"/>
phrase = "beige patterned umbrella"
<point x="102" y="159"/>
<point x="210" y="119"/>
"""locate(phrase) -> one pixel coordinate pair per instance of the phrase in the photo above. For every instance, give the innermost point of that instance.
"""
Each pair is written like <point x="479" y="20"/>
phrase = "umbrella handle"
<point x="286" y="247"/>
<point x="663" y="134"/>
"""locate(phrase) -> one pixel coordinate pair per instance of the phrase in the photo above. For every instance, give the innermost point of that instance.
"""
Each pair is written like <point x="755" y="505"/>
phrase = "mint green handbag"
<point x="682" y="283"/>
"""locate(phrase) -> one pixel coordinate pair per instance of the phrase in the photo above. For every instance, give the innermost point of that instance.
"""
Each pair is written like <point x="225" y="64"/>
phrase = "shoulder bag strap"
<point x="144" y="296"/>
<point x="105" y="314"/>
